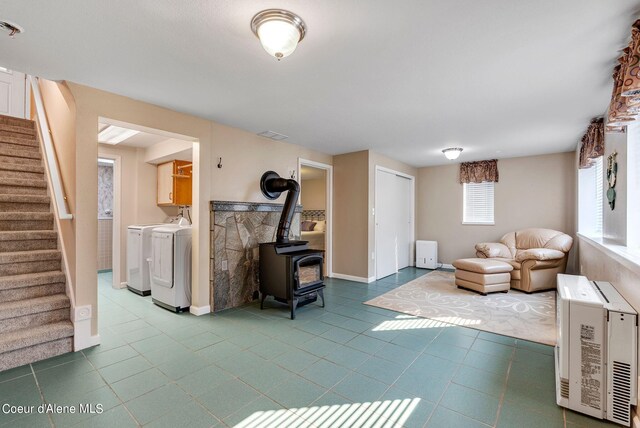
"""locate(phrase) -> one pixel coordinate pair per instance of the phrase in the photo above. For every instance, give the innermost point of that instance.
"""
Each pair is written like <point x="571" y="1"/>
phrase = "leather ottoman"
<point x="483" y="275"/>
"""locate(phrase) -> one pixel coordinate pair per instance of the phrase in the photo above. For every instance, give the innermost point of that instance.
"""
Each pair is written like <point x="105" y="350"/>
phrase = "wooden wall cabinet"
<point x="174" y="183"/>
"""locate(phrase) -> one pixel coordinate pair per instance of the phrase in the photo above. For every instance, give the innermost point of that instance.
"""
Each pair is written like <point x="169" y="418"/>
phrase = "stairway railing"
<point x="55" y="183"/>
<point x="51" y="159"/>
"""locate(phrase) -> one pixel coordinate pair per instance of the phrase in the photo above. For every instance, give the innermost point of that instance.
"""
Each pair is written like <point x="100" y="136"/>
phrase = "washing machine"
<point x="138" y="251"/>
<point x="170" y="266"/>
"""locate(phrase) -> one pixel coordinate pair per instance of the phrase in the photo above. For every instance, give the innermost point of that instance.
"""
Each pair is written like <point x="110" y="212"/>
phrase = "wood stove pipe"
<point x="272" y="185"/>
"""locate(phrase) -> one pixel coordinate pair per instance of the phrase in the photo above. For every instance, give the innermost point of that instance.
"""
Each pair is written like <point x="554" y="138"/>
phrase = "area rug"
<point x="436" y="297"/>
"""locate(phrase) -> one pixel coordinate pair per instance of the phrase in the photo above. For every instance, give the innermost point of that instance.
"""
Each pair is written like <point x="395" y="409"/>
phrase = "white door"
<point x="385" y="217"/>
<point x="394" y="223"/>
<point x="404" y="221"/>
<point x="12" y="93"/>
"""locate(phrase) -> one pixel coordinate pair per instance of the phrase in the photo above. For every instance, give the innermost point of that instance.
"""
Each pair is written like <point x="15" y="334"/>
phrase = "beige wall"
<point x="245" y="157"/>
<point x="350" y="205"/>
<point x="534" y="191"/>
<point x="313" y="194"/>
<point x="61" y="113"/>
<point x="376" y="159"/>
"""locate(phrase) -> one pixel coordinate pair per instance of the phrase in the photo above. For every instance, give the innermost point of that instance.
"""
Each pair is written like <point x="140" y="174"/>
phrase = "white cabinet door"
<point x="385" y="218"/>
<point x="165" y="183"/>
<point x="12" y="93"/>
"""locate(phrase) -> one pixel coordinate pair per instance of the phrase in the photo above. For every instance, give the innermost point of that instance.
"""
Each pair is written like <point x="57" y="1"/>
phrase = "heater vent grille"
<point x="621" y="392"/>
<point x="564" y="388"/>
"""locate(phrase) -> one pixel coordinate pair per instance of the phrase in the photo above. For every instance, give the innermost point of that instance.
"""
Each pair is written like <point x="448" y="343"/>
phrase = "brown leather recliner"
<point x="537" y="256"/>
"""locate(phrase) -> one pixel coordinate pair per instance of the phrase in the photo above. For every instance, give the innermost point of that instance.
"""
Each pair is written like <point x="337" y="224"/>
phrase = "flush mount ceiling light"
<point x="114" y="134"/>
<point x="452" y="152"/>
<point x="11" y="28"/>
<point x="279" y="31"/>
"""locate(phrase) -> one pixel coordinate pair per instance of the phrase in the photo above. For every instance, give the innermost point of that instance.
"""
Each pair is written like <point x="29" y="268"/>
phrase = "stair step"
<point x="22" y="186"/>
<point x="31" y="280"/>
<point x="37" y="171"/>
<point x="39" y="352"/>
<point x="31" y="285"/>
<point x="32" y="203"/>
<point x="26" y="143"/>
<point x="17" y="121"/>
<point x="34" y="336"/>
<point x="19" y="262"/>
<point x="23" y="293"/>
<point x="24" y="221"/>
<point x="36" y="319"/>
<point x="12" y="129"/>
<point x="18" y="152"/>
<point x="32" y="306"/>
<point x="28" y="240"/>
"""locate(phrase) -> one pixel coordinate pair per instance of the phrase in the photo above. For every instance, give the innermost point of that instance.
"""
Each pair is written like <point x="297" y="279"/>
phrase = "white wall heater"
<point x="596" y="355"/>
<point x="427" y="254"/>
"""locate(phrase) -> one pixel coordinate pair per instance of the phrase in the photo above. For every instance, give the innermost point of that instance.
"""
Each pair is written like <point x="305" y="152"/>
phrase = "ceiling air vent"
<point x="273" y="135"/>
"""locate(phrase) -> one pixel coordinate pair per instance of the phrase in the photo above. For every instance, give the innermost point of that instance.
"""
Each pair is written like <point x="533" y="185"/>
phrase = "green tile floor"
<point x="348" y="365"/>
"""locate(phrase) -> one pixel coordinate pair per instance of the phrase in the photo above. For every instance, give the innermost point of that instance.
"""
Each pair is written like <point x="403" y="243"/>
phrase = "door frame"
<point x="329" y="207"/>
<point x="116" y="268"/>
<point x="412" y="236"/>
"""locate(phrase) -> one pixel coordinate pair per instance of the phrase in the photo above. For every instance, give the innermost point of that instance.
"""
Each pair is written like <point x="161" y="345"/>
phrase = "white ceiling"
<point x="141" y="139"/>
<point x="500" y="78"/>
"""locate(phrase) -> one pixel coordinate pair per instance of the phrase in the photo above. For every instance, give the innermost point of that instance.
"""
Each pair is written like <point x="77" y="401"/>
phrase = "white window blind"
<point x="599" y="189"/>
<point x="478" y="203"/>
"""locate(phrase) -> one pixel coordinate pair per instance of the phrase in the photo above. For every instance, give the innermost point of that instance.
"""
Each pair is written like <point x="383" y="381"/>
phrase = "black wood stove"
<point x="289" y="270"/>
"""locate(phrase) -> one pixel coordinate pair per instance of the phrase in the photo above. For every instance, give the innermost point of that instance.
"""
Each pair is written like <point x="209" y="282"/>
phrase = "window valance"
<point x="592" y="143"/>
<point x="479" y="172"/>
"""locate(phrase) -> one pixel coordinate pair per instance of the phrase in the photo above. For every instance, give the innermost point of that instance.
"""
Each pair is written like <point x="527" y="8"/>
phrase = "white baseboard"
<point x="447" y="266"/>
<point x="200" y="310"/>
<point x="80" y="342"/>
<point x="82" y="337"/>
<point x="123" y="285"/>
<point x="354" y="278"/>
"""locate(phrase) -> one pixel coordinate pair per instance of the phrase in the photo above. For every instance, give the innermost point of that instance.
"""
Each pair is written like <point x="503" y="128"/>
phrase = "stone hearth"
<point x="237" y="228"/>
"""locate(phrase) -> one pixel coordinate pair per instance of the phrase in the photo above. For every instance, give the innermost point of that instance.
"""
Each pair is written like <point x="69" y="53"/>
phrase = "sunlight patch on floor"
<point x="378" y="414"/>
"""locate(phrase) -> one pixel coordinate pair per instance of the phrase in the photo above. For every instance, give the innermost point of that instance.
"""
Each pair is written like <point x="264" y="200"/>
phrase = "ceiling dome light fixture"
<point x="452" y="152"/>
<point x="279" y="31"/>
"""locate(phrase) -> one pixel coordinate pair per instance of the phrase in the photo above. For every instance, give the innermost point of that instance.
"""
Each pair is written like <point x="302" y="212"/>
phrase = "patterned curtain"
<point x="592" y="143"/>
<point x="479" y="172"/>
<point x="625" y="99"/>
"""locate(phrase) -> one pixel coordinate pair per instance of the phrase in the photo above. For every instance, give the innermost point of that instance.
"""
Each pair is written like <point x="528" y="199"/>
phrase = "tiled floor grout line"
<point x="35" y="378"/>
<point x="506" y="384"/>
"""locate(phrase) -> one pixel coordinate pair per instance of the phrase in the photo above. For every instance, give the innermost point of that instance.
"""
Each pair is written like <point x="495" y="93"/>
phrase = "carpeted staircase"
<point x="34" y="309"/>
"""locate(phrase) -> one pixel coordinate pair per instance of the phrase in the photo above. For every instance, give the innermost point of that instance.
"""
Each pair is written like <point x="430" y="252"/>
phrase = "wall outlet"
<point x="224" y="265"/>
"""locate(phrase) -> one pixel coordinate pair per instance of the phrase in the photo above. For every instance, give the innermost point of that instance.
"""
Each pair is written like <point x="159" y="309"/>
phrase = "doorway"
<point x="106" y="189"/>
<point x="13" y="93"/>
<point x="137" y="153"/>
<point x="394" y="223"/>
<point x="316" y="196"/>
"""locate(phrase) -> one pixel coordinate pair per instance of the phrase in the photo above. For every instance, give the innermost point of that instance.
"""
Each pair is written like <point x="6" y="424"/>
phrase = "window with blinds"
<point x="478" y="203"/>
<point x="599" y="193"/>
